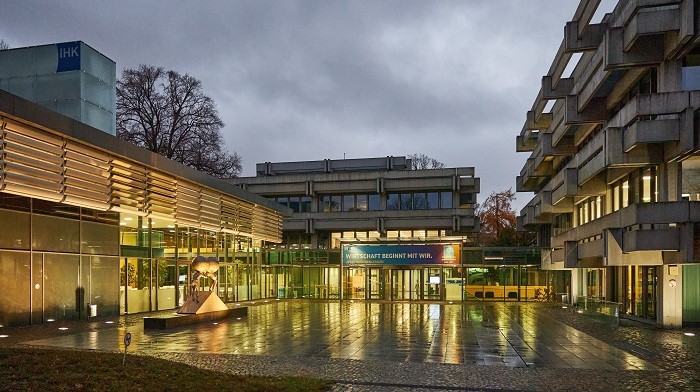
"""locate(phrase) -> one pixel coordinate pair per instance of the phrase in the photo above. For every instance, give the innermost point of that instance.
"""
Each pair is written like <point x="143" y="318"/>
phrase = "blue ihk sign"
<point x="68" y="56"/>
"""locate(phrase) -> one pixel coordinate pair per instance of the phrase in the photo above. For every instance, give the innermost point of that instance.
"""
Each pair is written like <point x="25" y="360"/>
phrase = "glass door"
<point x="432" y="284"/>
<point x="649" y="292"/>
<point x="374" y="283"/>
<point x="400" y="284"/>
<point x="355" y="283"/>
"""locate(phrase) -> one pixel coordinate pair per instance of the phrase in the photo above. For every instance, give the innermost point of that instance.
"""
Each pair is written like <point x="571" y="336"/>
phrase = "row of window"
<point x="419" y="201"/>
<point x="372" y="202"/>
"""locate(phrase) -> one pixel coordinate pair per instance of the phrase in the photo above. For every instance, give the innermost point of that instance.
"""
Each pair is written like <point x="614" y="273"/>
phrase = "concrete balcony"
<point x="576" y="40"/>
<point x="526" y="142"/>
<point x="546" y="206"/>
<point x="561" y="90"/>
<point x="565" y="185"/>
<point x="596" y="112"/>
<point x="651" y="131"/>
<point x="529" y="178"/>
<point x="458" y="219"/>
<point x="563" y="148"/>
<point x="527" y="218"/>
<point x="646" y="52"/>
<point x="645" y="21"/>
<point x="651" y="105"/>
<point x="650" y="240"/>
<point x="665" y="226"/>
<point x="535" y="121"/>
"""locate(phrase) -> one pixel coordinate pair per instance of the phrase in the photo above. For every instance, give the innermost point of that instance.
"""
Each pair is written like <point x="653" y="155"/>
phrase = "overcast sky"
<point x="308" y="80"/>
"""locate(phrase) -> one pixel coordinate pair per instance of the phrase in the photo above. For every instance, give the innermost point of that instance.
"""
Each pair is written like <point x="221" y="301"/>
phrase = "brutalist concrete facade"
<point x="358" y="195"/>
<point x="615" y="164"/>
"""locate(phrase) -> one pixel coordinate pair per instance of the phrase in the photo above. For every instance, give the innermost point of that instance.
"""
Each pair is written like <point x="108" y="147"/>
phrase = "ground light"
<point x="109" y="322"/>
<point x="62" y="329"/>
<point x="4" y="336"/>
<point x="689" y="334"/>
<point x="564" y="307"/>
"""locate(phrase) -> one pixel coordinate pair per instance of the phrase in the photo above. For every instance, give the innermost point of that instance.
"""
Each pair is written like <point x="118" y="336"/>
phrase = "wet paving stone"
<point x="379" y="346"/>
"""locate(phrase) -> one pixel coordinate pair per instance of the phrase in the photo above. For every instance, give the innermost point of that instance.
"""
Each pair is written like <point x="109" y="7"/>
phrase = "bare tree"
<point x="421" y="161"/>
<point x="4" y="45"/>
<point x="168" y="113"/>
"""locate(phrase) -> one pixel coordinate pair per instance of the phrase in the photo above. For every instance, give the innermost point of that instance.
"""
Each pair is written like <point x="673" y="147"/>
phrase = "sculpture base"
<point x="180" y="320"/>
<point x="203" y="302"/>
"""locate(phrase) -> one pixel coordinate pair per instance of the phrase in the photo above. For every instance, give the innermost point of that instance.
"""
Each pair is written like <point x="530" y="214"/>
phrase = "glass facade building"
<point x="70" y="78"/>
<point x="92" y="224"/>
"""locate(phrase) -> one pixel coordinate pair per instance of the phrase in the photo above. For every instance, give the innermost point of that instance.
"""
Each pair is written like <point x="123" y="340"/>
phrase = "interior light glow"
<point x="122" y="223"/>
<point x="128" y="219"/>
<point x="171" y="226"/>
<point x="646" y="178"/>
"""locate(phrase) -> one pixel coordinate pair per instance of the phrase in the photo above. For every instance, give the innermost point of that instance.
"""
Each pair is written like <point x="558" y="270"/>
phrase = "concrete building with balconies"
<point x="615" y="159"/>
<point x="378" y="202"/>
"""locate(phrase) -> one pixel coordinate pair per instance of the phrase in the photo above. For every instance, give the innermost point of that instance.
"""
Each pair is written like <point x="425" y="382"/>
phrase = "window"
<point x="305" y="204"/>
<point x="445" y="199"/>
<point x="374" y="203"/>
<point x="433" y="200"/>
<point x="335" y="203"/>
<point x="466" y="200"/>
<point x="348" y="202"/>
<point x="294" y="203"/>
<point x="361" y="202"/>
<point x="392" y="201"/>
<point x="406" y="203"/>
<point x="420" y="202"/>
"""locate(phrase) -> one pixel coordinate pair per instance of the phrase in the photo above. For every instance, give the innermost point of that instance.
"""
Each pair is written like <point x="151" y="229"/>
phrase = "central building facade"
<point x="377" y="229"/>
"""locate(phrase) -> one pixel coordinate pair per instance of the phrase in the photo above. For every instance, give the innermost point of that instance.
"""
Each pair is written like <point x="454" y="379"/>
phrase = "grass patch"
<point x="39" y="369"/>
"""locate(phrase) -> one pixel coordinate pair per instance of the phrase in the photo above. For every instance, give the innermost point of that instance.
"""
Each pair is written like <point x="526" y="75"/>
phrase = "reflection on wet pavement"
<point x="501" y="334"/>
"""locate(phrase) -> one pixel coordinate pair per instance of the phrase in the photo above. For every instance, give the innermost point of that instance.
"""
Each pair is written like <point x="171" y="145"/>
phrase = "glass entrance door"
<point x="432" y="284"/>
<point x="374" y="283"/>
<point x="354" y="283"/>
<point x="400" y="284"/>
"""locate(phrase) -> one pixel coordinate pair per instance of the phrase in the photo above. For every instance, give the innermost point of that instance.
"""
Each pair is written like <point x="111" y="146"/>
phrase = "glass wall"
<point x="73" y="264"/>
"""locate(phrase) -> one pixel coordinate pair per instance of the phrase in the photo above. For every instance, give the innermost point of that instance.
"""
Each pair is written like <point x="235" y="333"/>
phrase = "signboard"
<point x="68" y="56"/>
<point x="401" y="254"/>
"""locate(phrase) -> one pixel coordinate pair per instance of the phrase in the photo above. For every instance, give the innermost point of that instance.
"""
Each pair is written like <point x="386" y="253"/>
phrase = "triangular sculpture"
<point x="203" y="302"/>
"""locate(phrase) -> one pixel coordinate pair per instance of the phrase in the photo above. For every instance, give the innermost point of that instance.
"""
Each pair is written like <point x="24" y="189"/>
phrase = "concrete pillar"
<point x="576" y="280"/>
<point x="669" y="181"/>
<point x="670" y="291"/>
<point x="669" y="76"/>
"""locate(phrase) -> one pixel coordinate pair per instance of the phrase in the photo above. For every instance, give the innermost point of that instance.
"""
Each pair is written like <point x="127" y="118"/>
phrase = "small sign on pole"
<point x="127" y="342"/>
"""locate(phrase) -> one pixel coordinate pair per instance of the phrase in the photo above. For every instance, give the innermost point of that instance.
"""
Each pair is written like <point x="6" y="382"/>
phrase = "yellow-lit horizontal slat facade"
<point x="44" y="165"/>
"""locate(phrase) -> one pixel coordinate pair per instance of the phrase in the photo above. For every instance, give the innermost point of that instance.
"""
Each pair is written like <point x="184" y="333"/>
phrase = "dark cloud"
<point x="298" y="80"/>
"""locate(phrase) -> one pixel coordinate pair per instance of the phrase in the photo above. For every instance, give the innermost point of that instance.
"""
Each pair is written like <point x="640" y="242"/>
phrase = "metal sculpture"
<point x="207" y="267"/>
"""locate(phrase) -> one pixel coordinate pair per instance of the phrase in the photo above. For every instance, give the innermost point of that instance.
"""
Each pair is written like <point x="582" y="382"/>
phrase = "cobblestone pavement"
<point x="380" y="346"/>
